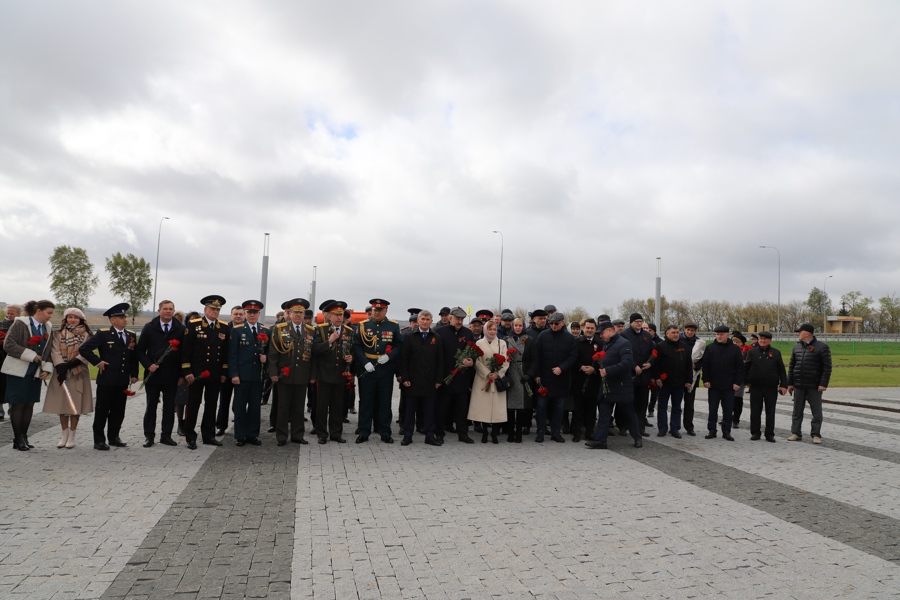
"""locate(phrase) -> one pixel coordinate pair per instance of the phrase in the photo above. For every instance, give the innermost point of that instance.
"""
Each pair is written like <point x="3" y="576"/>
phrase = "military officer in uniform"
<point x="333" y="351"/>
<point x="290" y="367"/>
<point x="205" y="367"/>
<point x="118" y="365"/>
<point x="247" y="355"/>
<point x="375" y="343"/>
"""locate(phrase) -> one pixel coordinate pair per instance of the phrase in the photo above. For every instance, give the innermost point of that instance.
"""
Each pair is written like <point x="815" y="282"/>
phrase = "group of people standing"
<point x="493" y="374"/>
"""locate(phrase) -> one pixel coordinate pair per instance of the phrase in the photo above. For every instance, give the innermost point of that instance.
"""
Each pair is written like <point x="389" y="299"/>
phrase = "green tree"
<point x="818" y="302"/>
<point x="889" y="313"/>
<point x="130" y="279"/>
<point x="578" y="313"/>
<point x="72" y="278"/>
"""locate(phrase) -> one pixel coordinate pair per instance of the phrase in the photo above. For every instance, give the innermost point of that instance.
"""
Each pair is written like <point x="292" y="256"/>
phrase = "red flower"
<point x="35" y="340"/>
<point x="652" y="385"/>
<point x="511" y="351"/>
<point x="285" y="371"/>
<point x="389" y="349"/>
<point x="654" y="354"/>
<point x="542" y="391"/>
<point x="204" y="375"/>
<point x="130" y="393"/>
<point x="349" y="386"/>
<point x="2" y="335"/>
<point x="663" y="377"/>
<point x="500" y="359"/>
<point x="173" y="344"/>
<point x="347" y="375"/>
<point x="262" y="337"/>
<point x="455" y="372"/>
<point x="598" y="356"/>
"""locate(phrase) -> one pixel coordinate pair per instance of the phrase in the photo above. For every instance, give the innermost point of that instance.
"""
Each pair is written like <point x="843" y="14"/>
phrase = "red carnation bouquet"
<point x="470" y="350"/>
<point x="130" y="393"/>
<point x="35" y="340"/>
<point x="598" y="357"/>
<point x="542" y="391"/>
<point x="285" y="371"/>
<point x="494" y="363"/>
<point x="348" y="377"/>
<point x="173" y="345"/>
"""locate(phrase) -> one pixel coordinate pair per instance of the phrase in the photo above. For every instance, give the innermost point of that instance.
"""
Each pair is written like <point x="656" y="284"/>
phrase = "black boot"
<point x="484" y="434"/>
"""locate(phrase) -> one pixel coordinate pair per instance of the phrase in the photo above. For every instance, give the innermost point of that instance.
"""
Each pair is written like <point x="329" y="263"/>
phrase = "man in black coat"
<point x="453" y="398"/>
<point x="642" y="347"/>
<point x="723" y="375"/>
<point x="421" y="370"/>
<point x="585" y="382"/>
<point x="161" y="375"/>
<point x="808" y="378"/>
<point x="672" y="372"/>
<point x="615" y="369"/>
<point x="556" y="356"/>
<point x="118" y="366"/>
<point x="765" y="374"/>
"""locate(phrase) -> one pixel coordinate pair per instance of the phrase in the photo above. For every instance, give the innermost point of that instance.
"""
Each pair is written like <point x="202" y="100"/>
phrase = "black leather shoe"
<point x="239" y="443"/>
<point x="406" y="441"/>
<point x="118" y="443"/>
<point x="645" y="434"/>
<point x="254" y="441"/>
<point x="676" y="435"/>
<point x="623" y="431"/>
<point x="451" y="429"/>
<point x="755" y="437"/>
<point x="339" y="440"/>
<point x="576" y="438"/>
<point x="21" y="444"/>
<point x="539" y="438"/>
<point x="97" y="447"/>
<point x="167" y="441"/>
<point x="735" y="424"/>
<point x="148" y="442"/>
<point x="690" y="432"/>
<point x="281" y="442"/>
<point x="478" y="428"/>
<point x="192" y="445"/>
<point x="558" y="438"/>
<point x="432" y="442"/>
<point x="301" y="441"/>
<point x="711" y="435"/>
<point x="466" y="439"/>
<point x="220" y="432"/>
<point x="661" y="434"/>
<point x="180" y="431"/>
<point x="346" y="420"/>
<point x="212" y="442"/>
<point x="270" y="430"/>
<point x="727" y="436"/>
<point x="770" y="438"/>
<point x="323" y="440"/>
<point x="387" y="439"/>
<point x="362" y="439"/>
<point x="638" y="443"/>
<point x="484" y="435"/>
<point x="594" y="445"/>
<point x="526" y="431"/>
<point x="27" y="443"/>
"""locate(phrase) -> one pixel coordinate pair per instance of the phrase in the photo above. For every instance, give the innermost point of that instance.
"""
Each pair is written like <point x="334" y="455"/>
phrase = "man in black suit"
<point x="162" y="371"/>
<point x="118" y="366"/>
<point x="422" y="373"/>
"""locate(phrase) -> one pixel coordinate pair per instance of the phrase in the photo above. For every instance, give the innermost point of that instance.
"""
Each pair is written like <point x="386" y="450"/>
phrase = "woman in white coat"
<point x="489" y="406"/>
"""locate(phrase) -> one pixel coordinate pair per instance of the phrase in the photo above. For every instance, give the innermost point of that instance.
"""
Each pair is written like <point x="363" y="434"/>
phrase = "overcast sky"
<point x="384" y="141"/>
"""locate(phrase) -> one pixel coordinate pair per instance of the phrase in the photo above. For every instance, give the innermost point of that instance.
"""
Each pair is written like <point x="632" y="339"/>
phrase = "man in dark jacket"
<point x="808" y="377"/>
<point x="453" y="398"/>
<point x="723" y="375"/>
<point x="615" y="369"/>
<point x="696" y="347"/>
<point x="642" y="348"/>
<point x="161" y="375"/>
<point x="672" y="373"/>
<point x="765" y="374"/>
<point x="585" y="382"/>
<point x="556" y="355"/>
<point x="422" y="373"/>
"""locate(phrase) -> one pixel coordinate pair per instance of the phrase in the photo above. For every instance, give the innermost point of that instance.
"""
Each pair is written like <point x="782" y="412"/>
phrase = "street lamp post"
<point x="825" y="307"/>
<point x="500" y="305"/>
<point x="778" y="322"/>
<point x="156" y="273"/>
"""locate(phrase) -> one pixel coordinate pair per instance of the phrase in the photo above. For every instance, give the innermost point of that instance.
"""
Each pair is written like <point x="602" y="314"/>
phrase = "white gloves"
<point x="370" y="368"/>
<point x="383" y="359"/>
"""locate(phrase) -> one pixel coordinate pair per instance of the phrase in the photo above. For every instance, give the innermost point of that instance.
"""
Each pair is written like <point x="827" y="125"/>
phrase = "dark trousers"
<point x="225" y="391"/>
<point x="628" y="416"/>
<point x="168" y="393"/>
<point x="330" y="409"/>
<point x="687" y="415"/>
<point x="641" y="399"/>
<point x="555" y="406"/>
<point x="452" y="407"/>
<point x="205" y="392"/>
<point x="273" y="414"/>
<point x="763" y="396"/>
<point x="312" y="403"/>
<point x="109" y="412"/>
<point x="419" y="405"/>
<point x="349" y="399"/>
<point x="676" y="393"/>
<point x="585" y="411"/>
<point x="801" y="397"/>
<point x="247" y="401"/>
<point x="654" y="398"/>
<point x="738" y="407"/>
<point x="726" y="399"/>
<point x="291" y="400"/>
<point x="375" y="399"/>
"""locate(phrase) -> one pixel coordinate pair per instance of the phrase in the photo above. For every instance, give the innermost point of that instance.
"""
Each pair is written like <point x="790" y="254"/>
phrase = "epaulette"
<point x="394" y="322"/>
<point x="222" y="322"/>
<point x="197" y="320"/>
<point x="277" y="325"/>
<point x="102" y="329"/>
<point x="236" y="326"/>
<point x="310" y="327"/>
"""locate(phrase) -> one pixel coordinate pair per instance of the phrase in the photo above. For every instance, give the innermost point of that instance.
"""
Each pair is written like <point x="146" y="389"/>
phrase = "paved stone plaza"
<point x="676" y="519"/>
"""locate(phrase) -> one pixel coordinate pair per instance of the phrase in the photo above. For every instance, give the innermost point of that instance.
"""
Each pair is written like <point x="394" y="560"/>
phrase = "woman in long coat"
<point x="518" y="400"/>
<point x="27" y="364"/>
<point x="488" y="406"/>
<point x="73" y="369"/>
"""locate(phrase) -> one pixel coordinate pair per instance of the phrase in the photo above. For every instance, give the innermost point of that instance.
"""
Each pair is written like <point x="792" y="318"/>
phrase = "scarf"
<point x="70" y="340"/>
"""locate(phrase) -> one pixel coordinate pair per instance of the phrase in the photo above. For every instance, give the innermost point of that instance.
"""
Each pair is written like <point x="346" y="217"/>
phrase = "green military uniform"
<point x="331" y="374"/>
<point x="290" y="360"/>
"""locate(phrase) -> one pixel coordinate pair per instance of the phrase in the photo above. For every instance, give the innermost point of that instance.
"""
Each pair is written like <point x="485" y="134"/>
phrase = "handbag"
<point x="503" y="383"/>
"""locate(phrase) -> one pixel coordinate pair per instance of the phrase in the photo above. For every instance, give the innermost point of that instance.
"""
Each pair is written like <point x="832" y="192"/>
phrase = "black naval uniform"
<point x="118" y="351"/>
<point x="225" y="392"/>
<point x="369" y="344"/>
<point x="330" y="367"/>
<point x="205" y="348"/>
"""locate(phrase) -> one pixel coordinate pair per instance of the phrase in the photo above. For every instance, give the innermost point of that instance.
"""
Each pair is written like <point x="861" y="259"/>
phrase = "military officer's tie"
<point x="253" y="329"/>
<point x="122" y="336"/>
<point x="297" y="328"/>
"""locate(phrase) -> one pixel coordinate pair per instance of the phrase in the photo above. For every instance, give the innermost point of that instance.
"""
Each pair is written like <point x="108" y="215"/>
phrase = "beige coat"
<point x="489" y="406"/>
<point x="77" y="380"/>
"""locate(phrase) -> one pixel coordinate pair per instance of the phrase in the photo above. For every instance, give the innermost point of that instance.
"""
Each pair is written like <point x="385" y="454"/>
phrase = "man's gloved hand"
<point x="383" y="359"/>
<point x="370" y="368"/>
